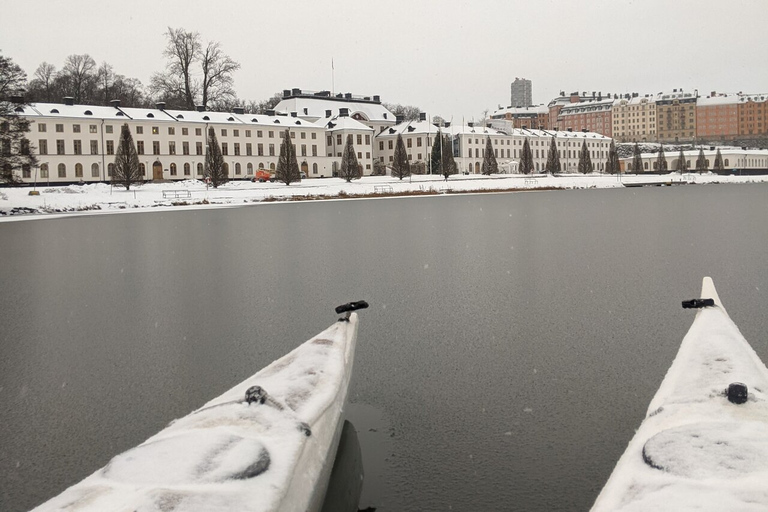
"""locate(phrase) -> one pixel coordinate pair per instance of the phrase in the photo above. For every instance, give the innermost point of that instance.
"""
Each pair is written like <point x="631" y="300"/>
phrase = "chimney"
<point x="713" y="94"/>
<point x="343" y="112"/>
<point x="399" y="119"/>
<point x="711" y="148"/>
<point x="471" y="124"/>
<point x="69" y="100"/>
<point x="422" y="116"/>
<point x="271" y="112"/>
<point x="239" y="110"/>
<point x="295" y="91"/>
<point x="570" y="129"/>
<point x="286" y="93"/>
<point x="160" y="105"/>
<point x="376" y="98"/>
<point x="524" y="127"/>
<point x="348" y="96"/>
<point x="306" y="111"/>
<point x="583" y="130"/>
<point x="294" y="114"/>
<point x="447" y="124"/>
<point x="115" y="103"/>
<point x="328" y="113"/>
<point x="200" y="108"/>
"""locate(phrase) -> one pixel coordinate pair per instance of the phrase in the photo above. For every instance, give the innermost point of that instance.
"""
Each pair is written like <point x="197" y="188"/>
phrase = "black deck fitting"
<point x="351" y="306"/>
<point x="698" y="303"/>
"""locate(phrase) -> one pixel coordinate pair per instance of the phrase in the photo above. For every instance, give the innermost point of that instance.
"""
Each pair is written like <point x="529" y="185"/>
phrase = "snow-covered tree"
<point x="553" y="158"/>
<point x="287" y="166"/>
<point x="400" y="165"/>
<point x="637" y="160"/>
<point x="681" y="162"/>
<point x="612" y="165"/>
<point x="447" y="162"/>
<point x="127" y="170"/>
<point x="526" y="158"/>
<point x="16" y="152"/>
<point x="379" y="168"/>
<point x="585" y="160"/>
<point x="436" y="155"/>
<point x="214" y="161"/>
<point x="490" y="165"/>
<point x="701" y="162"/>
<point x="661" y="160"/>
<point x="350" y="169"/>
<point x="718" y="162"/>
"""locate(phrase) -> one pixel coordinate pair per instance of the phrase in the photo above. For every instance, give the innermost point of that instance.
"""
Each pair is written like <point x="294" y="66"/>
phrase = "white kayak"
<point x="271" y="451"/>
<point x="704" y="442"/>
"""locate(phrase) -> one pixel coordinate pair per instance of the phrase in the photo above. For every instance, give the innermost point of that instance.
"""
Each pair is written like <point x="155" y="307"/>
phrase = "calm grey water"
<point x="513" y="343"/>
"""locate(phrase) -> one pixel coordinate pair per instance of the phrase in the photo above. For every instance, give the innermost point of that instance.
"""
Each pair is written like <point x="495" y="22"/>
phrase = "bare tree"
<point x="79" y="71"/>
<point x="261" y="107"/>
<point x="105" y="78"/>
<point x="217" y="68"/>
<point x="409" y="112"/>
<point x="287" y="167"/>
<point x="41" y="87"/>
<point x="127" y="170"/>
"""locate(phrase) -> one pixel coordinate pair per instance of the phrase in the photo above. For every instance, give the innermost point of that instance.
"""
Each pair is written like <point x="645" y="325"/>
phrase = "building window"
<point x="199" y="169"/>
<point x="59" y="128"/>
<point x="110" y="169"/>
<point x="314" y="136"/>
<point x="94" y="170"/>
<point x="224" y="149"/>
<point x="109" y="128"/>
<point x="390" y="144"/>
<point x="198" y="131"/>
<point x="237" y="148"/>
<point x="248" y="148"/>
<point x="271" y="134"/>
<point x="62" y="171"/>
<point x="247" y="133"/>
<point x="140" y="147"/>
<point x="359" y="139"/>
<point x="142" y="169"/>
<point x="338" y="139"/>
<point x="293" y="135"/>
<point x="44" y="170"/>
<point x="258" y="134"/>
<point x="60" y="147"/>
<point x="155" y="147"/>
<point x="42" y="147"/>
<point x="110" y="147"/>
<point x="185" y="131"/>
<point x="198" y="148"/>
<point x="271" y="150"/>
<point x="155" y="130"/>
<point x="173" y="169"/>
<point x="78" y="170"/>
<point x="171" y="148"/>
<point x="186" y="168"/>
<point x="223" y="132"/>
<point x="314" y="149"/>
<point x="185" y="147"/>
<point x="409" y="142"/>
<point x="329" y="140"/>
<point x="41" y="127"/>
<point x="260" y="149"/>
<point x="26" y="171"/>
<point x="303" y="150"/>
<point x="75" y="128"/>
<point x="171" y="130"/>
<point x="303" y="135"/>
<point x="237" y="168"/>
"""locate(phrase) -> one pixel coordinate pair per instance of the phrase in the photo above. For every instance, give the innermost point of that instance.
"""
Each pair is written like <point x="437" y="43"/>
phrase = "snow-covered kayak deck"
<point x="273" y="452"/>
<point x="696" y="450"/>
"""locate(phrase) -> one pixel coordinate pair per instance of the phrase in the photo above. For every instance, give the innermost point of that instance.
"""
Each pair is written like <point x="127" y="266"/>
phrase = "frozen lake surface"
<point x="513" y="343"/>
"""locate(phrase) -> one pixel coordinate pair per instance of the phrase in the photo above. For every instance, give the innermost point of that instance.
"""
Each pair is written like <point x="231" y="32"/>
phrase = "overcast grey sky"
<point x="450" y="57"/>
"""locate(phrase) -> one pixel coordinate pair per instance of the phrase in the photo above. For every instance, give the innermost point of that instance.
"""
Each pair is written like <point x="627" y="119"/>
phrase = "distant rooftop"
<point x="327" y="95"/>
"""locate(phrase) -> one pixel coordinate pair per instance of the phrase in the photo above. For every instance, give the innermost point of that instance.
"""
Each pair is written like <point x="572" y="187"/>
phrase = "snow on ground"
<point x="100" y="197"/>
<point x="696" y="450"/>
<point x="231" y="455"/>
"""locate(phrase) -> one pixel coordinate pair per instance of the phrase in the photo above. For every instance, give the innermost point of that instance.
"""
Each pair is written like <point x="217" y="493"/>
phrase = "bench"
<point x="382" y="189"/>
<point x="531" y="181"/>
<point x="176" y="194"/>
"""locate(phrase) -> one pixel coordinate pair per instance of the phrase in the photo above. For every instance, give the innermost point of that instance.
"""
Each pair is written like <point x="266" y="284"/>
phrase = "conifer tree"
<point x="400" y="165"/>
<point x="553" y="158"/>
<point x="612" y="163"/>
<point x="585" y="160"/>
<point x="287" y="167"/>
<point x="490" y="165"/>
<point x="16" y="152"/>
<point x="214" y="161"/>
<point x="661" y="160"/>
<point x="637" y="160"/>
<point x="681" y="162"/>
<point x="447" y="162"/>
<point x="350" y="169"/>
<point x="436" y="155"/>
<point x="701" y="162"/>
<point x="526" y="158"/>
<point x="127" y="170"/>
<point x="718" y="162"/>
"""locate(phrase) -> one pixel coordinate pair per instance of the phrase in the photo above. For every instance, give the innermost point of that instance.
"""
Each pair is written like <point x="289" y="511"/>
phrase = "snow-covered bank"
<point x="100" y="197"/>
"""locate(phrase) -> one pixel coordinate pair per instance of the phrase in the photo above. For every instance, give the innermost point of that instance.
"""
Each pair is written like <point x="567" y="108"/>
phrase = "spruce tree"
<point x="701" y="162"/>
<point x="490" y="165"/>
<point x="287" y="167"/>
<point x="637" y="160"/>
<point x="612" y="165"/>
<point x="400" y="165"/>
<point x="718" y="162"/>
<point x="214" y="161"/>
<point x="553" y="158"/>
<point x="436" y="155"/>
<point x="350" y="169"/>
<point x="16" y="152"/>
<point x="526" y="158"/>
<point x="661" y="160"/>
<point x="585" y="160"/>
<point x="447" y="162"/>
<point x="127" y="169"/>
<point x="681" y="162"/>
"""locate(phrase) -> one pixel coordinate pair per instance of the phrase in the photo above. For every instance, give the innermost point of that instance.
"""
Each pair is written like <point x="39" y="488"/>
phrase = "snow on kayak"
<point x="704" y="442"/>
<point x="268" y="444"/>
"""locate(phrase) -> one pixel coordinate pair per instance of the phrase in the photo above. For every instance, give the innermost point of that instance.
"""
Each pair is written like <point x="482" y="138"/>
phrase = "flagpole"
<point x="333" y="78"/>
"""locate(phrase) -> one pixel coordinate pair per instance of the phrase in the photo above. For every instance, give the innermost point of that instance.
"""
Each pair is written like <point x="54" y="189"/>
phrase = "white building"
<point x="337" y="130"/>
<point x="735" y="160"/>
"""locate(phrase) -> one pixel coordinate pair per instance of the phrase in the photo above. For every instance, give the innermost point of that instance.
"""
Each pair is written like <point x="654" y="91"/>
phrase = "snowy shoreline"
<point x="16" y="203"/>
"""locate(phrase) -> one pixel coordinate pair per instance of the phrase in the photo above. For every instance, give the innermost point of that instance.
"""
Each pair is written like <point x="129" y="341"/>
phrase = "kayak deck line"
<point x="248" y="449"/>
<point x="704" y="442"/>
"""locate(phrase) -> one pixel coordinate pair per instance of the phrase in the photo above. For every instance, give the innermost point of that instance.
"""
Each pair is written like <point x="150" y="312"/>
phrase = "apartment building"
<point x="534" y="117"/>
<point x="676" y="116"/>
<point x="634" y="118"/>
<point x="591" y="115"/>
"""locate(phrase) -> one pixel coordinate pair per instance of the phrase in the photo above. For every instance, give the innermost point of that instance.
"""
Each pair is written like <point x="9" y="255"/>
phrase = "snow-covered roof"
<point x="522" y="111"/>
<point x="341" y="123"/>
<point x="315" y="108"/>
<point x="634" y="100"/>
<point x="77" y="111"/>
<point x="676" y="95"/>
<point x="141" y="114"/>
<point x="587" y="106"/>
